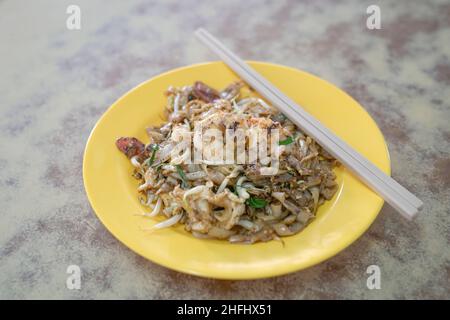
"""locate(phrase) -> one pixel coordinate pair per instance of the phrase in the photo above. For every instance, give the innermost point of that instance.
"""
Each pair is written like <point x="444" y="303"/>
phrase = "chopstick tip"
<point x="199" y="31"/>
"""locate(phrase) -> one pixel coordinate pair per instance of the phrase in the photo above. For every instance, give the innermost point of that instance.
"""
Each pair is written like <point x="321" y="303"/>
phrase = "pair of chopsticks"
<point x="390" y="190"/>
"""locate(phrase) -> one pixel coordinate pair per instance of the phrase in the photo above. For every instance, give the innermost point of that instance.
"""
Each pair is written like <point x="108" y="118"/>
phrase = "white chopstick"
<point x="408" y="206"/>
<point x="307" y="120"/>
<point x="396" y="195"/>
<point x="306" y="116"/>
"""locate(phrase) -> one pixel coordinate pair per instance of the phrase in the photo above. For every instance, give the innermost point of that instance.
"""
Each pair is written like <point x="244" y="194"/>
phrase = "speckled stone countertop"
<point x="56" y="83"/>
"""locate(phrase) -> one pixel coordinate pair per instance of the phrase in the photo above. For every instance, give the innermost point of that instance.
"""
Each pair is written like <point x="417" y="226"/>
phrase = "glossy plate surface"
<point x="112" y="190"/>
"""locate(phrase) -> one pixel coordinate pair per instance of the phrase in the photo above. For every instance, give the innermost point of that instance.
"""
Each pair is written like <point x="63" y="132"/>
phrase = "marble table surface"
<point x="55" y="83"/>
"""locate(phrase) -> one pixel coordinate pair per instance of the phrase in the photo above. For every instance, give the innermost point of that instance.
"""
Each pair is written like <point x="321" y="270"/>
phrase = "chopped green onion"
<point x="150" y="160"/>
<point x="158" y="167"/>
<point x="256" y="202"/>
<point x="286" y="141"/>
<point x="183" y="176"/>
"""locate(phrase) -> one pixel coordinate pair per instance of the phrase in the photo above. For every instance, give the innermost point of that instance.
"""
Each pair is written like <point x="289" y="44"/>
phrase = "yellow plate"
<point x="114" y="198"/>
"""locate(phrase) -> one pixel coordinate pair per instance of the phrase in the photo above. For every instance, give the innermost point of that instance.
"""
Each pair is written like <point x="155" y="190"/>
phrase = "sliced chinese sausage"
<point x="130" y="146"/>
<point x="204" y="92"/>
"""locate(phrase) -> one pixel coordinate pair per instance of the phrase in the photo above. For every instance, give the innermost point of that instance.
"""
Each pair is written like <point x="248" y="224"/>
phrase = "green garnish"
<point x="286" y="141"/>
<point x="180" y="171"/>
<point x="256" y="202"/>
<point x="150" y="160"/>
<point x="158" y="167"/>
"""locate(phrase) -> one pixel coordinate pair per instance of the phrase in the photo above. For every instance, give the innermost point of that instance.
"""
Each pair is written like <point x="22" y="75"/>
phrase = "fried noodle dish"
<point x="242" y="203"/>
